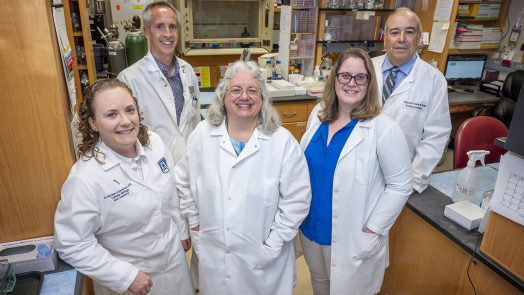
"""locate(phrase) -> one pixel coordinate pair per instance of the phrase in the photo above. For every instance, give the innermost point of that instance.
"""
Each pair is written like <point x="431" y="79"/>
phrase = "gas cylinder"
<point x="136" y="46"/>
<point x="116" y="53"/>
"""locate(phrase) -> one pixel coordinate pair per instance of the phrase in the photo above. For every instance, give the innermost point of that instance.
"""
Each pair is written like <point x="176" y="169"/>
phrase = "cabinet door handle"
<point x="289" y="114"/>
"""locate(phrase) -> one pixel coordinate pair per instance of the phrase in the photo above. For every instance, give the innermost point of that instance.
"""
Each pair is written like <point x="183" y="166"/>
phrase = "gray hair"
<point x="146" y="15"/>
<point x="406" y="10"/>
<point x="268" y="119"/>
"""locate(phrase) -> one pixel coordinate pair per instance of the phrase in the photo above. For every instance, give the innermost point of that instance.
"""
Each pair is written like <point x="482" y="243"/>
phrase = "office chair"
<point x="478" y="133"/>
<point x="505" y="107"/>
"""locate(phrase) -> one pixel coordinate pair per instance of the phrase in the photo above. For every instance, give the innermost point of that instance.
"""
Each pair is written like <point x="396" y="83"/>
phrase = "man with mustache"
<point x="165" y="87"/>
<point x="414" y="94"/>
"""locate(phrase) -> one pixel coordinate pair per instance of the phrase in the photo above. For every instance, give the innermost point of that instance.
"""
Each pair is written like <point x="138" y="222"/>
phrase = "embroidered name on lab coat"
<point x="163" y="165"/>
<point x="119" y="194"/>
<point x="414" y="105"/>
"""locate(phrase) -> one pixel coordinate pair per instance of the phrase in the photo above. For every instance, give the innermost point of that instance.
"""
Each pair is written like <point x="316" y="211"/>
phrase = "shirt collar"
<point x="163" y="68"/>
<point x="112" y="158"/>
<point x="405" y="68"/>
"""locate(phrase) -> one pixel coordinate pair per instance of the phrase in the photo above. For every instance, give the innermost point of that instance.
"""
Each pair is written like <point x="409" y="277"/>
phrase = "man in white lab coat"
<point x="414" y="94"/>
<point x="165" y="86"/>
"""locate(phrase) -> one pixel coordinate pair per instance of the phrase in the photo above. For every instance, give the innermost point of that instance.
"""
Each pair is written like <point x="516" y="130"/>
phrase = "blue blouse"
<point x="322" y="161"/>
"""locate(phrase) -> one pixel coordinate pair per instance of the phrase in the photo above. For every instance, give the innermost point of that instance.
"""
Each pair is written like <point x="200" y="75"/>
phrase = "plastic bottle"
<point x="269" y="70"/>
<point x="277" y="71"/>
<point x="467" y="180"/>
<point x="317" y="74"/>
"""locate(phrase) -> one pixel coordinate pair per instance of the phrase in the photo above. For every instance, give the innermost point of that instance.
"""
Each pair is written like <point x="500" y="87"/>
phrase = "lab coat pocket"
<point x="271" y="192"/>
<point x="195" y="241"/>
<point x="368" y="245"/>
<point x="267" y="256"/>
<point x="361" y="172"/>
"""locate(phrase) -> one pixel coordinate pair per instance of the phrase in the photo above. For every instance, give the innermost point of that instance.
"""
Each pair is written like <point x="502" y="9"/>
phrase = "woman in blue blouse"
<point x="360" y="173"/>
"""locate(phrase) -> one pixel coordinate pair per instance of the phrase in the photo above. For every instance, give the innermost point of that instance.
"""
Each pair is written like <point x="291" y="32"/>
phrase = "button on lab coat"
<point x="420" y="106"/>
<point x="110" y="223"/>
<point x="371" y="184"/>
<point x="240" y="202"/>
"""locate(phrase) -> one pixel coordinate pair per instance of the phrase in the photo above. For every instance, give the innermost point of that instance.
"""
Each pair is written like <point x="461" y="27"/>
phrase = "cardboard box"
<point x="36" y="254"/>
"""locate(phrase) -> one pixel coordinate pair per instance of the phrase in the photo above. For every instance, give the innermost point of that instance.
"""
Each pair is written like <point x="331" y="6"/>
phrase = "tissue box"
<point x="465" y="213"/>
<point x="36" y="254"/>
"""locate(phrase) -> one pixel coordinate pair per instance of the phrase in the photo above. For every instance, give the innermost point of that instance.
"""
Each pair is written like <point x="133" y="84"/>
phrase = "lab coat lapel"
<point x="407" y="83"/>
<point x="164" y="91"/>
<point x="110" y="164"/>
<point x="251" y="147"/>
<point x="354" y="139"/>
<point x="223" y="137"/>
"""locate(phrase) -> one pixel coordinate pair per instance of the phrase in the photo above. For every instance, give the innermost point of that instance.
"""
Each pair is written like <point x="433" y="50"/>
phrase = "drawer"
<point x="292" y="112"/>
<point x="297" y="129"/>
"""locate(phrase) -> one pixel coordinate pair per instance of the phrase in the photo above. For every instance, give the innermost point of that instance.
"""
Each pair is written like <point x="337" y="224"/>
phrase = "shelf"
<point x="458" y="19"/>
<point x="473" y="51"/>
<point x="303" y="8"/>
<point x="302" y="57"/>
<point x="82" y="67"/>
<point x="295" y="33"/>
<point x="349" y="41"/>
<point x="78" y="34"/>
<point x="276" y="10"/>
<point x="480" y="2"/>
<point x="355" y="9"/>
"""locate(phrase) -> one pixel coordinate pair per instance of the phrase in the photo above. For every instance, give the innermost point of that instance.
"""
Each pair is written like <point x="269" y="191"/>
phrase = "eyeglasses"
<point x="345" y="78"/>
<point x="251" y="91"/>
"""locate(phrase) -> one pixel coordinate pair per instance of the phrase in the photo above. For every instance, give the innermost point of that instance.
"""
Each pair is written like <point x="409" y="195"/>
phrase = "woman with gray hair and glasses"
<point x="244" y="187"/>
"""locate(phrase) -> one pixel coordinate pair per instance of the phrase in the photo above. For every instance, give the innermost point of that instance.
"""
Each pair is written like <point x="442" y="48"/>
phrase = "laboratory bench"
<point x="431" y="254"/>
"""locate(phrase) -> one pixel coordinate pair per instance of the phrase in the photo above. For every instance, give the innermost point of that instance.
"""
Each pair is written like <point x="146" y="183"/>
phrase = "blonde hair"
<point x="369" y="107"/>
<point x="268" y="119"/>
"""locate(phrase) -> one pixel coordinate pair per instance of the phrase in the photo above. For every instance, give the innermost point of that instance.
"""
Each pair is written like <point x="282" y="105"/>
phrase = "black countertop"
<point x="430" y="206"/>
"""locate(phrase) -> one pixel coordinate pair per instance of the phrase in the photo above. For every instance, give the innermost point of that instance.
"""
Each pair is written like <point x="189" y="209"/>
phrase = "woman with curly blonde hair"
<point x="116" y="221"/>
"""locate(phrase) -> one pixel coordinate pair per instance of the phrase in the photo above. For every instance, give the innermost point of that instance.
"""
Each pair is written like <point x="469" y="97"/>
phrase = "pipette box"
<point x="36" y="254"/>
<point x="465" y="213"/>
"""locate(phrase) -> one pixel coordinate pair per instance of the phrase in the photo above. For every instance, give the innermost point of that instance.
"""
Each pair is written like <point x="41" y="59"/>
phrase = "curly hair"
<point x="369" y="107"/>
<point x="89" y="138"/>
<point x="268" y="119"/>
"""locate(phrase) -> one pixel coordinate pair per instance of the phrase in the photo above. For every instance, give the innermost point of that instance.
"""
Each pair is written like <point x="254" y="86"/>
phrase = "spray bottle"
<point x="467" y="180"/>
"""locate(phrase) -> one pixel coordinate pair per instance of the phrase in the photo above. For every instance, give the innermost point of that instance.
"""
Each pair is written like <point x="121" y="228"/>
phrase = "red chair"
<point x="478" y="133"/>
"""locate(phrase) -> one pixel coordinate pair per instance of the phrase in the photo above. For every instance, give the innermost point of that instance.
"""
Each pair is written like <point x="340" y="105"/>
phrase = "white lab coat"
<point x="110" y="223"/>
<point x="157" y="105"/>
<point x="240" y="202"/>
<point x="420" y="106"/>
<point x="157" y="102"/>
<point x="371" y="184"/>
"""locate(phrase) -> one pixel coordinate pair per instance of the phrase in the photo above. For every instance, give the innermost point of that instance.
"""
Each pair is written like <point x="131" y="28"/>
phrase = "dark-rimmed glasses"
<point x="345" y="78"/>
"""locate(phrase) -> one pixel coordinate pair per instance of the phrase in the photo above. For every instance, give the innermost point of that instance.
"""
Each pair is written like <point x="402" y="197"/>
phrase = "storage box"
<point x="36" y="254"/>
<point x="465" y="214"/>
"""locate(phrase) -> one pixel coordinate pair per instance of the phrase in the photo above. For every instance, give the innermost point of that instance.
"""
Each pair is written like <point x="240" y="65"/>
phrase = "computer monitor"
<point x="465" y="68"/>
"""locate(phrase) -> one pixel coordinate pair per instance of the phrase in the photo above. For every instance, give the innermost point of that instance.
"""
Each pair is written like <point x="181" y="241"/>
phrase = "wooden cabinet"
<point x="79" y="35"/>
<point x="294" y="116"/>
<point x="425" y="261"/>
<point x="35" y="146"/>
